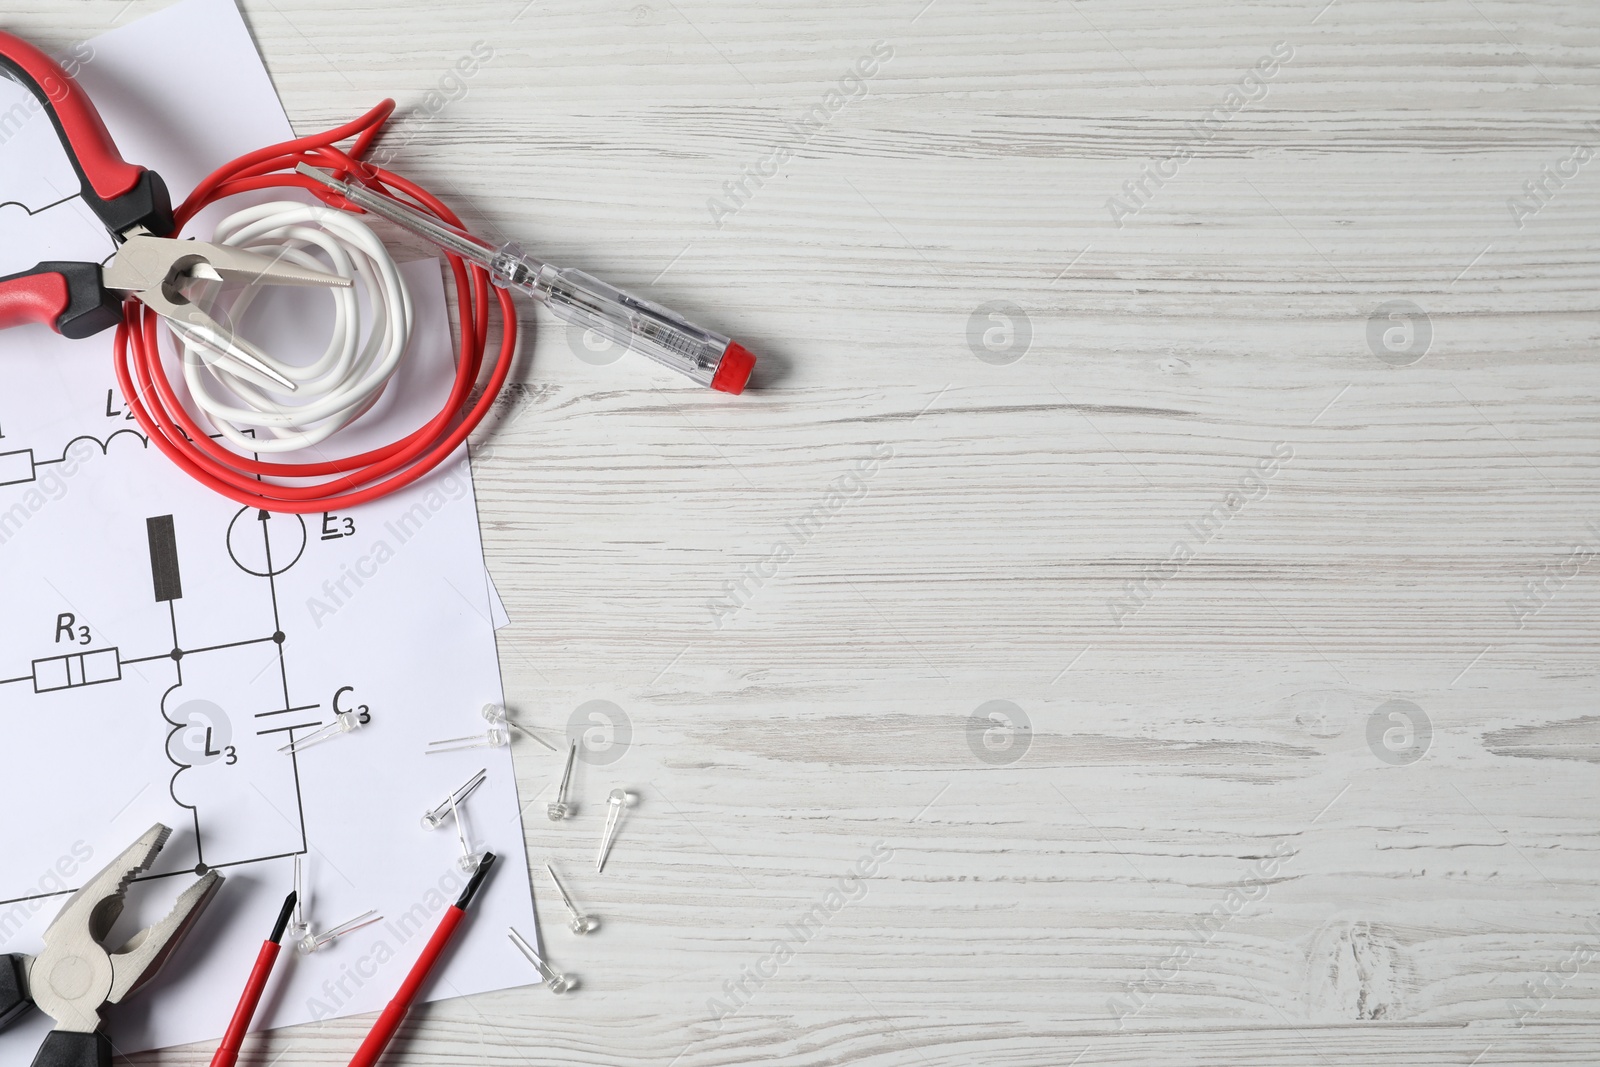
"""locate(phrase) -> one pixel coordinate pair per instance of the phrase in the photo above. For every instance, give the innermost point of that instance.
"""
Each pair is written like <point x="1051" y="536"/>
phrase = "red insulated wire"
<point x="335" y="484"/>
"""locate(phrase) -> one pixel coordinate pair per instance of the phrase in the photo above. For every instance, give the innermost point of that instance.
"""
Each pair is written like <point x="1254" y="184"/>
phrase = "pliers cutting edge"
<point x="80" y="299"/>
<point x="75" y="976"/>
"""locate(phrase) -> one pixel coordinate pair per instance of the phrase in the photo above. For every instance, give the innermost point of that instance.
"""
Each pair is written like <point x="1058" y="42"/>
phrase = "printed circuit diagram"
<point x="170" y="642"/>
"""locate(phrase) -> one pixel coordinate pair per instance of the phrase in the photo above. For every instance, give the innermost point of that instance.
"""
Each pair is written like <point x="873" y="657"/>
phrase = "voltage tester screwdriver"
<point x="575" y="297"/>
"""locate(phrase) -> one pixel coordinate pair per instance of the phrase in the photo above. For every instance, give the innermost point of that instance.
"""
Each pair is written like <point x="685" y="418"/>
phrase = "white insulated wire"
<point x="348" y="379"/>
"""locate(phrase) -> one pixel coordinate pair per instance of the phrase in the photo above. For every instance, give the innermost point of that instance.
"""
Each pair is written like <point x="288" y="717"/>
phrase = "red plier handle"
<point x="121" y="194"/>
<point x="69" y="296"/>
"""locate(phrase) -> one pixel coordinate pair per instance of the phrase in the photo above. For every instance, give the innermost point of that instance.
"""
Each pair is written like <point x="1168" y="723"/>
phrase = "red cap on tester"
<point x="733" y="373"/>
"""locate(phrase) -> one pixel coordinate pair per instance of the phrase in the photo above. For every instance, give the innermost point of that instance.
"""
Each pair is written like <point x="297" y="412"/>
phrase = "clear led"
<point x="559" y="809"/>
<point x="435" y="817"/>
<point x="343" y="722"/>
<point x="554" y="980"/>
<point x="580" y="922"/>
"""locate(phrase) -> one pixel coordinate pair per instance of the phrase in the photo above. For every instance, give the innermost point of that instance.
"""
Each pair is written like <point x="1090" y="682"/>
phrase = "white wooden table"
<point x="1293" y="767"/>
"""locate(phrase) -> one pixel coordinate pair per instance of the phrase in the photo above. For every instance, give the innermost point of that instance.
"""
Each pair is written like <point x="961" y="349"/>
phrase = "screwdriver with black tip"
<point x="389" y="1021"/>
<point x="227" y="1053"/>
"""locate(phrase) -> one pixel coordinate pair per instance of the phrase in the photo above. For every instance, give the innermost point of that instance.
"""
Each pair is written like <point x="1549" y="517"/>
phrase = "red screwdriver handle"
<point x="227" y="1053"/>
<point x="121" y="194"/>
<point x="388" y="1023"/>
<point x="67" y="297"/>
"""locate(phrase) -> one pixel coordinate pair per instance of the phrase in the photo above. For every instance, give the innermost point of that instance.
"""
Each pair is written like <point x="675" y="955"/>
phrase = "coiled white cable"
<point x="348" y="379"/>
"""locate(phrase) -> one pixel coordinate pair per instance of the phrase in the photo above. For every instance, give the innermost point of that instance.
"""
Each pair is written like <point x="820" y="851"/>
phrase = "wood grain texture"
<point x="1198" y="826"/>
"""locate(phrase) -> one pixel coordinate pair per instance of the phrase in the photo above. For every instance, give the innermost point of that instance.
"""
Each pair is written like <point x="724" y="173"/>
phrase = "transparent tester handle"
<point x="583" y="300"/>
<point x="575" y="297"/>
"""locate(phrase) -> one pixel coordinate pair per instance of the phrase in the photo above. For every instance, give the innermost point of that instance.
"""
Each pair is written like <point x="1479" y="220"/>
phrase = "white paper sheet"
<point x="386" y="607"/>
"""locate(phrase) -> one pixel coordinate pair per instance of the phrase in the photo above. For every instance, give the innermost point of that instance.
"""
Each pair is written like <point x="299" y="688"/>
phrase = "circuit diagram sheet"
<point x="161" y="646"/>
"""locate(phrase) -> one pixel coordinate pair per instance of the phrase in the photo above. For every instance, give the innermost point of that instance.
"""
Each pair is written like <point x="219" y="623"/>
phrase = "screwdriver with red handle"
<point x="228" y="1052"/>
<point x="388" y="1023"/>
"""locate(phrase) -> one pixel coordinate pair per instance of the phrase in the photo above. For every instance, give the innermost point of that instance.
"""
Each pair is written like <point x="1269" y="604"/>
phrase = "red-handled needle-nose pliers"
<point x="80" y="299"/>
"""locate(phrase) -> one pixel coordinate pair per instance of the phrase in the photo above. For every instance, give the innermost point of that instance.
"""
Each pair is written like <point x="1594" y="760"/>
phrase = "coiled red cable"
<point x="334" y="484"/>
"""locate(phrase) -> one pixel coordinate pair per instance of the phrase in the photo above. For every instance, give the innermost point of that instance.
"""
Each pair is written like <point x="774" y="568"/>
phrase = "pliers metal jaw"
<point x="76" y="975"/>
<point x="161" y="272"/>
